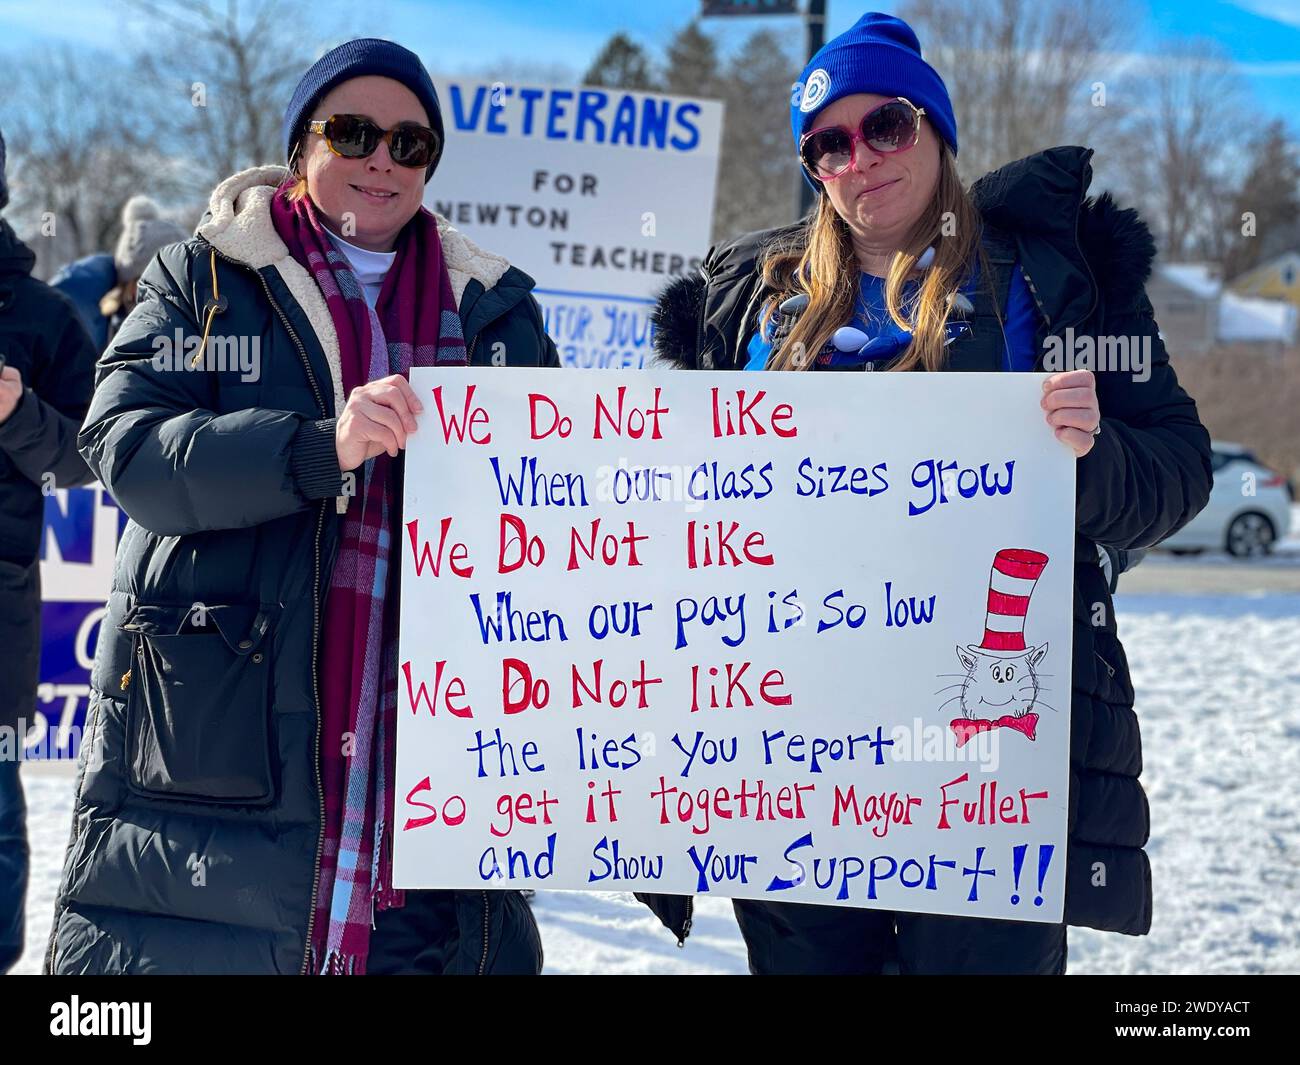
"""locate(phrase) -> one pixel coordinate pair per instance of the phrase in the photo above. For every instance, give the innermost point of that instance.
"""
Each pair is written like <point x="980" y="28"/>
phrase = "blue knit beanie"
<point x="355" y="59"/>
<point x="880" y="55"/>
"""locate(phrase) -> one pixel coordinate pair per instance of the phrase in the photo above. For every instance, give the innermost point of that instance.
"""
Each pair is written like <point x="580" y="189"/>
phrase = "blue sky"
<point x="458" y="35"/>
<point x="1262" y="35"/>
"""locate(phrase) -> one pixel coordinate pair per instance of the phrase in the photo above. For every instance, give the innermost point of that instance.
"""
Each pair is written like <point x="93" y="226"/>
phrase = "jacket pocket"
<point x="198" y="701"/>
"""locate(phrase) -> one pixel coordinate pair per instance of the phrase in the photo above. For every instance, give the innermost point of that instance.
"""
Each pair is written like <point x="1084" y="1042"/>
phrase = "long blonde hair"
<point x="820" y="264"/>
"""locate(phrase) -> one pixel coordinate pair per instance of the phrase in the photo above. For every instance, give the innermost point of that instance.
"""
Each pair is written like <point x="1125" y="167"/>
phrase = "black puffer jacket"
<point x="197" y="826"/>
<point x="1148" y="474"/>
<point x="43" y="339"/>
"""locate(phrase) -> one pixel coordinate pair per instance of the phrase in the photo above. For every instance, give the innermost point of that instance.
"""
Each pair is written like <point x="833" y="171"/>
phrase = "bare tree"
<point x="221" y="73"/>
<point x="78" y="149"/>
<point x="1023" y="75"/>
<point x="1266" y="212"/>
<point x="621" y="64"/>
<point x="758" y="175"/>
<point x="691" y="66"/>
<point x="758" y="172"/>
<point x="1185" y="146"/>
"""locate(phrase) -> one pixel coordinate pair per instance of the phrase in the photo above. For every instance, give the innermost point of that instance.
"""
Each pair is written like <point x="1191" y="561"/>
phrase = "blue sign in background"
<point x="75" y="585"/>
<point x="63" y="694"/>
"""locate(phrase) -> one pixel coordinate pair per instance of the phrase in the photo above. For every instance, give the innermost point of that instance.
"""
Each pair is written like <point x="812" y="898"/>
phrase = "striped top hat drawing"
<point x="1012" y="579"/>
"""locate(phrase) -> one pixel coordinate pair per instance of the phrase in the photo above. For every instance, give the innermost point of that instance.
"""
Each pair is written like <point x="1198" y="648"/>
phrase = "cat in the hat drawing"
<point x="1001" y="685"/>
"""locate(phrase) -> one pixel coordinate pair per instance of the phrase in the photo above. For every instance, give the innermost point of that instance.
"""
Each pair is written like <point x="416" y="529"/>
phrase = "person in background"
<point x="46" y="372"/>
<point x="899" y="268"/>
<point x="103" y="286"/>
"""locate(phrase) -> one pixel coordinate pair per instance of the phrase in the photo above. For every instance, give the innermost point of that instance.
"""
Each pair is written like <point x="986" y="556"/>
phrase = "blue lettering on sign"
<point x="529" y="97"/>
<point x="555" y="112"/>
<point x="69" y="630"/>
<point x="625" y="122"/>
<point x="617" y="334"/>
<point x="682" y="113"/>
<point x="589" y="105"/>
<point x="654" y="122"/>
<point x="458" y="108"/>
<point x="495" y="110"/>
<point x="73" y="529"/>
<point x="589" y="116"/>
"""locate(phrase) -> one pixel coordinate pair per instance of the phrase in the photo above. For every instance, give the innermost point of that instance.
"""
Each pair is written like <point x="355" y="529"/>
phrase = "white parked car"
<point x="1248" y="512"/>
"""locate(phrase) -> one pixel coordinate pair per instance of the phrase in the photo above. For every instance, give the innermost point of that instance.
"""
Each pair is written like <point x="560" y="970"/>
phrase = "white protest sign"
<point x="601" y="195"/>
<point x="797" y="637"/>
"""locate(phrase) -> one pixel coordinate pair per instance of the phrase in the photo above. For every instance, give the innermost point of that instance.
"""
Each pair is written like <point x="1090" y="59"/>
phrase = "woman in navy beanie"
<point x="238" y="815"/>
<point x="900" y="268"/>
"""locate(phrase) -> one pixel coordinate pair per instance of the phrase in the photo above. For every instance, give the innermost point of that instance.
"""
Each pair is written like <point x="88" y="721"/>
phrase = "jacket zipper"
<point x="690" y="918"/>
<point x="699" y="321"/>
<point x="315" y="632"/>
<point x="138" y="652"/>
<point x="1109" y="668"/>
<point x="315" y="611"/>
<point x="315" y="687"/>
<point x="1094" y="291"/>
<point x="744" y="323"/>
<point x="1092" y="280"/>
<point x="1033" y="291"/>
<point x="315" y="639"/>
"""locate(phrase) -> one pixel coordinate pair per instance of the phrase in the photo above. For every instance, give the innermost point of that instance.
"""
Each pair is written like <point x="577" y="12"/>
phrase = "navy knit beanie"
<point x="879" y="55"/>
<point x="355" y="59"/>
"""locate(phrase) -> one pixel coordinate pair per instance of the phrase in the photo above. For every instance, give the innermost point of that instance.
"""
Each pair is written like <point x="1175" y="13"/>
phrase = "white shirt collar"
<point x="369" y="266"/>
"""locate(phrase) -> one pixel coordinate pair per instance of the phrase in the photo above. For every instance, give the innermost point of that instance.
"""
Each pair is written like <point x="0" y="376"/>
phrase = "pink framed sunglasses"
<point x="893" y="126"/>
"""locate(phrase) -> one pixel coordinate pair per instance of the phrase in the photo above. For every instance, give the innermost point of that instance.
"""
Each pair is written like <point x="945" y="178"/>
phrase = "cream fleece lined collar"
<point x="240" y="228"/>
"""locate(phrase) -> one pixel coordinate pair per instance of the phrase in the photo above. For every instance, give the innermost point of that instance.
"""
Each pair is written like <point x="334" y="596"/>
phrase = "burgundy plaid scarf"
<point x="414" y="323"/>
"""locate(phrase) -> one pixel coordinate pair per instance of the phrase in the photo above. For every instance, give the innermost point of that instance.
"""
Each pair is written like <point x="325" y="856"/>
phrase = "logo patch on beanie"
<point x="815" y="90"/>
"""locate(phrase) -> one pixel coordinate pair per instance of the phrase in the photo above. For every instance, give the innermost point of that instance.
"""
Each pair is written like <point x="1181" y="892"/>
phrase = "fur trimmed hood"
<point x="238" y="225"/>
<point x="1084" y="254"/>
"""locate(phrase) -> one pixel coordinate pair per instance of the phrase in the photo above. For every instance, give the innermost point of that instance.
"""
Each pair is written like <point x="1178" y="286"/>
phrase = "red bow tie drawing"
<point x="964" y="729"/>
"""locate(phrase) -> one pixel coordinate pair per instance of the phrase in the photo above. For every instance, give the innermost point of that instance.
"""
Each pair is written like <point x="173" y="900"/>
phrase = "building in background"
<point x="1276" y="279"/>
<point x="1186" y="301"/>
<point x="1196" y="311"/>
<point x="1270" y="323"/>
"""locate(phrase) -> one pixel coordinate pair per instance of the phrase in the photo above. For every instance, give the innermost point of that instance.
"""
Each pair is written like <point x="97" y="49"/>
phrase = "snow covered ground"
<point x="1218" y="689"/>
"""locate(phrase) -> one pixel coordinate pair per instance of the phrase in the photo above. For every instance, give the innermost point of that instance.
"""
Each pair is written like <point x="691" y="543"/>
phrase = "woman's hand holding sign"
<point x="1070" y="399"/>
<point x="378" y="417"/>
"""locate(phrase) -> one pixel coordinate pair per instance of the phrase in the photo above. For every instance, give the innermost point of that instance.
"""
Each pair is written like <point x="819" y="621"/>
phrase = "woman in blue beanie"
<point x="899" y="268"/>
<point x="235" y="800"/>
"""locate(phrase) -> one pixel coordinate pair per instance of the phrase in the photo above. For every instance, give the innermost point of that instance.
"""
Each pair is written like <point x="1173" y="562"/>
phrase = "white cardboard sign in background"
<point x="831" y="704"/>
<point x="601" y="195"/>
